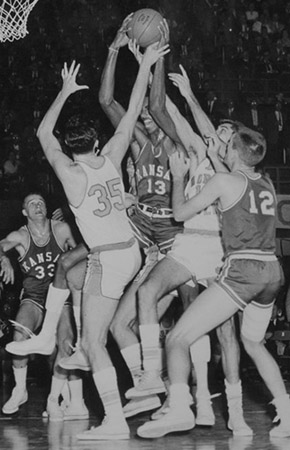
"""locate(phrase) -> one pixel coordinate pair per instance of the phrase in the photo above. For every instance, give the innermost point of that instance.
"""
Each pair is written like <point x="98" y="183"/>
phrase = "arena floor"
<point x="28" y="431"/>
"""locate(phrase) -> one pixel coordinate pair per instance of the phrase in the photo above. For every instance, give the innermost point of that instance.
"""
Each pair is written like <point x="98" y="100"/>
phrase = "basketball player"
<point x="95" y="191"/>
<point x="39" y="244"/>
<point x="199" y="241"/>
<point x="151" y="220"/>
<point x="249" y="280"/>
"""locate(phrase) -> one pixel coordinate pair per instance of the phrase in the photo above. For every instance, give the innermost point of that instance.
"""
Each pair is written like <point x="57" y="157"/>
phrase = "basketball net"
<point x="13" y="18"/>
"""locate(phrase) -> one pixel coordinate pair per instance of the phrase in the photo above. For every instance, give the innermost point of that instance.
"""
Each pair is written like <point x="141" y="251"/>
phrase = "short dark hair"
<point x="80" y="134"/>
<point x="250" y="144"/>
<point x="32" y="192"/>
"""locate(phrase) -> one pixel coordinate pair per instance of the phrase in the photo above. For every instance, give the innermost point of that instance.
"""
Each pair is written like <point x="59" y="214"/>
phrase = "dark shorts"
<point x="33" y="297"/>
<point x="247" y="280"/>
<point x="154" y="231"/>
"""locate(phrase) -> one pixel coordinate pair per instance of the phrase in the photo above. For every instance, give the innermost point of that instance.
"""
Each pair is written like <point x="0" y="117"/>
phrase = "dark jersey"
<point x="153" y="176"/>
<point x="38" y="265"/>
<point x="249" y="224"/>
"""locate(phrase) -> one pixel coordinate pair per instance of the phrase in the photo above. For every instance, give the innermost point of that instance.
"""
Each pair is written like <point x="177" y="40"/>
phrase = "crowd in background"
<point x="236" y="52"/>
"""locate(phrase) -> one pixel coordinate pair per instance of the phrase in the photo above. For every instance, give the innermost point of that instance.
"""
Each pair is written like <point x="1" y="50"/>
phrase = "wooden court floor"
<point x="27" y="430"/>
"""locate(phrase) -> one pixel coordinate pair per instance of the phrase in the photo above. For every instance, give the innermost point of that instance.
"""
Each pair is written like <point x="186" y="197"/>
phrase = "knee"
<point x="63" y="263"/>
<point x="251" y="347"/>
<point x="118" y="325"/>
<point x="175" y="339"/>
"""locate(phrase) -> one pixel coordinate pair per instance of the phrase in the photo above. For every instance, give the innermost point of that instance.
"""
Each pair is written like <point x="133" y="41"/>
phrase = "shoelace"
<point x="22" y="327"/>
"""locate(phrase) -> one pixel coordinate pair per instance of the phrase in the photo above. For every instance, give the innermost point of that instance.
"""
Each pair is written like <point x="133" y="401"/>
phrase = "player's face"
<point x="224" y="132"/>
<point x="35" y="207"/>
<point x="148" y="121"/>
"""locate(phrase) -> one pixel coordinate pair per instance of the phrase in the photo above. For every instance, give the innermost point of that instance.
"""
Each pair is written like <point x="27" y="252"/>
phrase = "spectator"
<point x="11" y="165"/>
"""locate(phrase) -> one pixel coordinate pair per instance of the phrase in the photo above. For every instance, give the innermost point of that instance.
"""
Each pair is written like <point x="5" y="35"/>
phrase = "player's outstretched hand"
<point x="153" y="53"/>
<point x="164" y="32"/>
<point x="179" y="165"/>
<point x="69" y="75"/>
<point x="135" y="49"/>
<point x="122" y="38"/>
<point x="181" y="81"/>
<point x="58" y="215"/>
<point x="6" y="270"/>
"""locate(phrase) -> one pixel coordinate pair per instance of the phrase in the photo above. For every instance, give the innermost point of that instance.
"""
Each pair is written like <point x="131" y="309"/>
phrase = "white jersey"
<point x="206" y="220"/>
<point x="102" y="217"/>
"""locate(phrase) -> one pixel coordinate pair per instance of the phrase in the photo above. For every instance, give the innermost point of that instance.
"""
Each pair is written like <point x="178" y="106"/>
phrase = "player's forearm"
<point x="218" y="165"/>
<point x="139" y="89"/>
<point x="178" y="198"/>
<point x="48" y="122"/>
<point x="157" y="91"/>
<point x="106" y="92"/>
<point x="202" y="121"/>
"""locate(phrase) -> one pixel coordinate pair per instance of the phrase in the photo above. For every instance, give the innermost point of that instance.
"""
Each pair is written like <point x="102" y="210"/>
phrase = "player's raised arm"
<point x="61" y="163"/>
<point x="203" y="122"/>
<point x="110" y="106"/>
<point x="118" y="144"/>
<point x="157" y="103"/>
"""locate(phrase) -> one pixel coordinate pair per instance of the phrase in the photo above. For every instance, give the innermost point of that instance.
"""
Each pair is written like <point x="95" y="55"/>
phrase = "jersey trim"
<point x="20" y="258"/>
<point x="240" y="196"/>
<point x="55" y="237"/>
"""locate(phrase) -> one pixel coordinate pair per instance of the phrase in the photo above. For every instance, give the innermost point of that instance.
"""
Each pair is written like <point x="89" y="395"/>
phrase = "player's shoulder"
<point x="18" y="235"/>
<point x="61" y="228"/>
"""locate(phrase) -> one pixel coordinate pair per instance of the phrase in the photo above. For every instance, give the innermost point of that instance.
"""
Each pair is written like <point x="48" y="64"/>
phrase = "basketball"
<point x="144" y="26"/>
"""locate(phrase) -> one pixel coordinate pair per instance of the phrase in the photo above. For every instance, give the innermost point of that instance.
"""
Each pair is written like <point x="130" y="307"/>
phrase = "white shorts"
<point x="109" y="272"/>
<point x="202" y="255"/>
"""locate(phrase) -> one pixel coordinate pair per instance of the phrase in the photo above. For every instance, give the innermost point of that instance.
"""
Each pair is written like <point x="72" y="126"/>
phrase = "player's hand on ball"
<point x="181" y="81"/>
<point x="164" y="32"/>
<point x="179" y="165"/>
<point x="135" y="49"/>
<point x="122" y="38"/>
<point x="153" y="53"/>
<point x="69" y="75"/>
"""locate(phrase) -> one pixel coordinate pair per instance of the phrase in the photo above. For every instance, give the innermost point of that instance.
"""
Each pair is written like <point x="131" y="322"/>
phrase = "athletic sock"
<point x="56" y="387"/>
<point x="106" y="384"/>
<point x="179" y="395"/>
<point x="20" y="376"/>
<point x="151" y="350"/>
<point x="54" y="303"/>
<point x="76" y="391"/>
<point x="132" y="357"/>
<point x="200" y="356"/>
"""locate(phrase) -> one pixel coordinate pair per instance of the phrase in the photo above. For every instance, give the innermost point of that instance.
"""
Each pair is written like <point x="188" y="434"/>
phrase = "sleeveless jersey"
<point x="102" y="217"/>
<point x="249" y="224"/>
<point x="206" y="220"/>
<point x="153" y="176"/>
<point x="38" y="265"/>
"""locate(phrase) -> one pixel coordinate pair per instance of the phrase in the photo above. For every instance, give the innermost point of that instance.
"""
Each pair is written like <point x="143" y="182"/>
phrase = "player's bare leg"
<point x="230" y="351"/>
<point x="194" y="323"/>
<point x="164" y="278"/>
<point x="125" y="330"/>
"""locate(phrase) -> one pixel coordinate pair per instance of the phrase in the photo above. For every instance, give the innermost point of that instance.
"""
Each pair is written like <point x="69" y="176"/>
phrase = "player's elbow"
<point x="177" y="215"/>
<point x="105" y="100"/>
